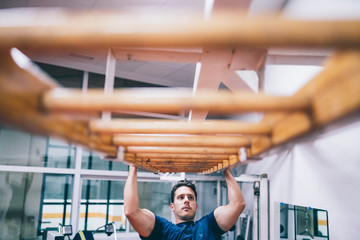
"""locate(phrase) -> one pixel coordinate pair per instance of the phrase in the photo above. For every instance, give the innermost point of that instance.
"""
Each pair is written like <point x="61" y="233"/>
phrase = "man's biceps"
<point x="148" y="215"/>
<point x="222" y="209"/>
<point x="144" y="223"/>
<point x="220" y="213"/>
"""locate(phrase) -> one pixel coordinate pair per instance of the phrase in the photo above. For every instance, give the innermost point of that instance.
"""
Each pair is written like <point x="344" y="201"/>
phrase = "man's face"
<point x="184" y="205"/>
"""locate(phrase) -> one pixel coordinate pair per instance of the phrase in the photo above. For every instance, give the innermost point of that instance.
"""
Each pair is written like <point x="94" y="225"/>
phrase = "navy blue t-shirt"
<point x="204" y="229"/>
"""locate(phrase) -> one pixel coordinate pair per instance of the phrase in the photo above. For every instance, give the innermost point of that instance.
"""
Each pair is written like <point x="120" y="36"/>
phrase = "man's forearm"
<point x="234" y="193"/>
<point x="131" y="198"/>
<point x="226" y="216"/>
<point x="142" y="220"/>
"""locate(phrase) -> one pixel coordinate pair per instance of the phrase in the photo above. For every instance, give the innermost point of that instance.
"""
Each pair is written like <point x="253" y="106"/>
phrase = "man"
<point x="184" y="206"/>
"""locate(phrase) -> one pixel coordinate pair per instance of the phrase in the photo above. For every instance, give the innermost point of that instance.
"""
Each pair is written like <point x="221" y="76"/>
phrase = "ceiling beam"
<point x="142" y="126"/>
<point x="76" y="29"/>
<point x="214" y="65"/>
<point x="166" y="100"/>
<point x="158" y="54"/>
<point x="185" y="150"/>
<point x="181" y="141"/>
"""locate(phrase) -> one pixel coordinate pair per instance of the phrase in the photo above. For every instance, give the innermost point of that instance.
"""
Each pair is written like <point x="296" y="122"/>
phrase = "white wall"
<point x="321" y="170"/>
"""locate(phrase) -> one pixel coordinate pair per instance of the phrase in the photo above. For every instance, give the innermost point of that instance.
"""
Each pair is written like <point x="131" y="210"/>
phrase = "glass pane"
<point x="322" y="225"/>
<point x="57" y="187"/>
<point x="299" y="222"/>
<point x="85" y="159"/>
<point x="285" y="216"/>
<point x="119" y="166"/>
<point x="60" y="156"/>
<point x="207" y="198"/>
<point x="156" y="197"/>
<point x="55" y="142"/>
<point x="101" y="203"/>
<point x="66" y="77"/>
<point x="96" y="214"/>
<point x="19" y="205"/>
<point x="116" y="214"/>
<point x="116" y="208"/>
<point x="24" y="149"/>
<point x="52" y="213"/>
<point x="117" y="190"/>
<point x="56" y="200"/>
<point x="98" y="189"/>
<point x="96" y="80"/>
<point x="21" y="149"/>
<point x="93" y="160"/>
<point x="304" y="222"/>
<point x="82" y="216"/>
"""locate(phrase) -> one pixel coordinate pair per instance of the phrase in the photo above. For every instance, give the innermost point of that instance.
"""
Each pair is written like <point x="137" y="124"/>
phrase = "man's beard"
<point x="187" y="217"/>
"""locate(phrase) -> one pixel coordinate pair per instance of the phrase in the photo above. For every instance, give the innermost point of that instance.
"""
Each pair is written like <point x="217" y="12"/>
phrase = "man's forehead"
<point x="184" y="190"/>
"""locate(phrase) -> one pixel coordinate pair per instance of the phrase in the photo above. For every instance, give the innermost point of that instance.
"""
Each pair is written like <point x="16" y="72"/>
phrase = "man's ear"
<point x="172" y="206"/>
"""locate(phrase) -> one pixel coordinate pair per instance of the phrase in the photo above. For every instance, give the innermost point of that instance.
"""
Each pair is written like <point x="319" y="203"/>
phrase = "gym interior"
<point x="299" y="179"/>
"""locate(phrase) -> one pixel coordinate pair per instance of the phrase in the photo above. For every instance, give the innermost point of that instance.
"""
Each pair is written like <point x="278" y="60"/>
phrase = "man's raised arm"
<point x="226" y="216"/>
<point x="142" y="220"/>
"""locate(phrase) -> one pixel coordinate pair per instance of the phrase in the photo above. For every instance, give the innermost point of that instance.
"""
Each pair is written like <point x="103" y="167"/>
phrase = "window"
<point x="19" y="204"/>
<point x="91" y="160"/>
<point x="56" y="195"/>
<point x="101" y="203"/>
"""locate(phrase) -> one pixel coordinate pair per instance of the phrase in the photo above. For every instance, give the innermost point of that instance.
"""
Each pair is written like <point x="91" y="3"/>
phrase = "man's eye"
<point x="191" y="198"/>
<point x="181" y="197"/>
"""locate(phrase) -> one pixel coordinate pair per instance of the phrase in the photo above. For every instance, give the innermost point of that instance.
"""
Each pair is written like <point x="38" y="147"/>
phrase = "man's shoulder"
<point x="207" y="217"/>
<point x="162" y="220"/>
<point x="209" y="222"/>
<point x="162" y="225"/>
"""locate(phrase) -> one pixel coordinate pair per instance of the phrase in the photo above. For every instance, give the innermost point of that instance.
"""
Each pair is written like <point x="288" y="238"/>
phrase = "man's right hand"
<point x="142" y="220"/>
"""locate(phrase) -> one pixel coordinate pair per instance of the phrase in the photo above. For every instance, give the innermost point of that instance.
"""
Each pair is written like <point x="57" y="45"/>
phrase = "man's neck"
<point x="178" y="220"/>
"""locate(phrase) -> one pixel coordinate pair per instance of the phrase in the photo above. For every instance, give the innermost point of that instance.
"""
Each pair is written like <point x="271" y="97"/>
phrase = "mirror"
<point x="303" y="223"/>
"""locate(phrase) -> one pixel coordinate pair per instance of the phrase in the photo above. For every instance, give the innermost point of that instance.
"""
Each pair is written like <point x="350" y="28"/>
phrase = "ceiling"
<point x="208" y="68"/>
<point x="231" y="68"/>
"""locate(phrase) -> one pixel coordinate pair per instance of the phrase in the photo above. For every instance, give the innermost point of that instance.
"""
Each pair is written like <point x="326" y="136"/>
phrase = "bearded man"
<point x="184" y="206"/>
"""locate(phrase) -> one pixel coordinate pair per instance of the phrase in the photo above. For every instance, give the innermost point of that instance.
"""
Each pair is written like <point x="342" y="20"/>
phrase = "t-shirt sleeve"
<point x="213" y="224"/>
<point x="161" y="224"/>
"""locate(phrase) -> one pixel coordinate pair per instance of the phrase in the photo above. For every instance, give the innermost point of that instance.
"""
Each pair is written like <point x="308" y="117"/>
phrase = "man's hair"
<point x="183" y="183"/>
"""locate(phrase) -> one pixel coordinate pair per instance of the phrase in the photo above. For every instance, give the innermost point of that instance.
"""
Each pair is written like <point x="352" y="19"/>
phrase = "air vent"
<point x="81" y="56"/>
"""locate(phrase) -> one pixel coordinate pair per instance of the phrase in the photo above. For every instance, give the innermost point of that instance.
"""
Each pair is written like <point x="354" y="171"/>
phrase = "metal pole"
<point x="76" y="193"/>
<point x="114" y="227"/>
<point x="264" y="209"/>
<point x="260" y="204"/>
<point x="256" y="220"/>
